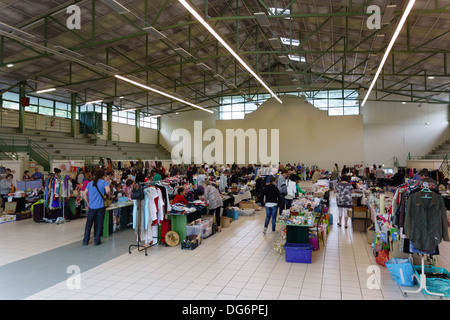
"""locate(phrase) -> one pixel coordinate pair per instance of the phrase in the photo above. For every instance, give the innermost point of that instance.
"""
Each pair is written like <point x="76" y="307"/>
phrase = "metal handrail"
<point x="29" y="145"/>
<point x="105" y="134"/>
<point x="429" y="157"/>
<point x="444" y="167"/>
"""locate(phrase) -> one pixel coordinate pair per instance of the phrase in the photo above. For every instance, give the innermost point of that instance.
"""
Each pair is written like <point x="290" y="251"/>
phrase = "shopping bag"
<point x="381" y="257"/>
<point x="401" y="271"/>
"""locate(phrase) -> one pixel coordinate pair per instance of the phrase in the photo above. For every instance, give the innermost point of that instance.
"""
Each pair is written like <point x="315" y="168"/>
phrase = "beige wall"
<point x="184" y="120"/>
<point x="396" y="129"/>
<point x="306" y="134"/>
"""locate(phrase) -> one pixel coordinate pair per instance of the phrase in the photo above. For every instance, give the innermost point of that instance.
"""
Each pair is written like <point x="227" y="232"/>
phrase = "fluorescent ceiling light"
<point x="297" y="58"/>
<point x="262" y="19"/>
<point x="290" y="71"/>
<point x="113" y="4"/>
<point x="102" y="65"/>
<point x="183" y="52"/>
<point x="219" y="38"/>
<point x="219" y="77"/>
<point x="431" y="77"/>
<point x="388" y="13"/>
<point x="155" y="33"/>
<point x="46" y="90"/>
<point x="157" y="116"/>
<point x="162" y="93"/>
<point x="274" y="42"/>
<point x="203" y="66"/>
<point x="389" y="48"/>
<point x="92" y="102"/>
<point x="10" y="65"/>
<point x="287" y="41"/>
<point x="378" y="41"/>
<point x="11" y="28"/>
<point x="68" y="51"/>
<point x="283" y="59"/>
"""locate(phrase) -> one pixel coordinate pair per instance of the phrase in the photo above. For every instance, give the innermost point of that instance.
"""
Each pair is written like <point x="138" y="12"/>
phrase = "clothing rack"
<point x="422" y="280"/>
<point x="139" y="246"/>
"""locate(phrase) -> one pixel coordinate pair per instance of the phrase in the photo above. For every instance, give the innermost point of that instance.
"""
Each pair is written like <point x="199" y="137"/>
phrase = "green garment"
<point x="156" y="177"/>
<point x="299" y="190"/>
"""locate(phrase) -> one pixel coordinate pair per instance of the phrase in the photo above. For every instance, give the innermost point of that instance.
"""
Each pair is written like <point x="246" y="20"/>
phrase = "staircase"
<point x="10" y="145"/>
<point x="88" y="147"/>
<point x="441" y="151"/>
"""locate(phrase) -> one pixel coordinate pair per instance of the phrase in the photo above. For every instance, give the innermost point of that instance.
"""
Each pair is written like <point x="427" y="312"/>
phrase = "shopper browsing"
<point x="344" y="198"/>
<point x="380" y="176"/>
<point x="37" y="175"/>
<point x="5" y="187"/>
<point x="96" y="189"/>
<point x="282" y="187"/>
<point x="26" y="176"/>
<point x="223" y="182"/>
<point x="291" y="190"/>
<point x="271" y="198"/>
<point x="212" y="196"/>
<point x="180" y="197"/>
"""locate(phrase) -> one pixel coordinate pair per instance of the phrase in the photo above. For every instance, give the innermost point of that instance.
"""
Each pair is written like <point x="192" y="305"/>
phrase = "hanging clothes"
<point x="426" y="220"/>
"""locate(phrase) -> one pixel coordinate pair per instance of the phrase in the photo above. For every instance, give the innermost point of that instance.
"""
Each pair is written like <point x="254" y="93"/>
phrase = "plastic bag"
<point x="381" y="257"/>
<point x="401" y="271"/>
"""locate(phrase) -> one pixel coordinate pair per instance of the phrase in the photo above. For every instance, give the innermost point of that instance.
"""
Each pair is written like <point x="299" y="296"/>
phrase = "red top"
<point x="179" y="198"/>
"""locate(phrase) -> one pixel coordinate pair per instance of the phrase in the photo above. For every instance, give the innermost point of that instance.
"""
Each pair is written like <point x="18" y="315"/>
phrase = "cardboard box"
<point x="358" y="212"/>
<point x="359" y="224"/>
<point x="395" y="250"/>
<point x="11" y="206"/>
<point x="248" y="205"/>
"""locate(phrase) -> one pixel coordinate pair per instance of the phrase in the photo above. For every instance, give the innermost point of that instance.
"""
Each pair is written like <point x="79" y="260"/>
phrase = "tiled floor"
<point x="238" y="263"/>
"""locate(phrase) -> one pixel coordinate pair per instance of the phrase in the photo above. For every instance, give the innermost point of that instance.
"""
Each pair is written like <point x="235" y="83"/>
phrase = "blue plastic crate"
<point x="298" y="252"/>
<point x="435" y="285"/>
<point x="233" y="214"/>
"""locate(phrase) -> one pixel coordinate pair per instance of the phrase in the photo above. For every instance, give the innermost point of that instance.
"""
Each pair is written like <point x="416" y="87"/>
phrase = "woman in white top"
<point x="223" y="182"/>
<point x="291" y="188"/>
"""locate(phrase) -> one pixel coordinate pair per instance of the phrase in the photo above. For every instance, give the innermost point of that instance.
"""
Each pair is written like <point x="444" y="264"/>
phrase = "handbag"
<point x="137" y="193"/>
<point x="107" y="201"/>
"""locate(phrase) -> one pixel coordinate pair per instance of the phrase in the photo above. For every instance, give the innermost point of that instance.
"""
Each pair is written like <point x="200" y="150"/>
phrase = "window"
<point x="61" y="109"/>
<point x="287" y="41"/>
<point x="149" y="122"/>
<point x="336" y="102"/>
<point x="294" y="57"/>
<point x="278" y="11"/>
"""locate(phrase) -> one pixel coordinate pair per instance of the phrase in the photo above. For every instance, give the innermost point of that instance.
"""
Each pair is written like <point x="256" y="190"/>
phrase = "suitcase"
<point x="38" y="212"/>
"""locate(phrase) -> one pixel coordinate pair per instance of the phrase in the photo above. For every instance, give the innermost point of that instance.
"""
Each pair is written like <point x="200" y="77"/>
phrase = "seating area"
<point x="88" y="147"/>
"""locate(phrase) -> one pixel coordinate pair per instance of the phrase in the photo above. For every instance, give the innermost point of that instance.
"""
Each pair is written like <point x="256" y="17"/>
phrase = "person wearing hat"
<point x="271" y="198"/>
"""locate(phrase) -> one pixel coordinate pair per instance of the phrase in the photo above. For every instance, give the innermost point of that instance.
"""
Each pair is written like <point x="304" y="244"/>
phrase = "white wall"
<point x="396" y="129"/>
<point x="184" y="120"/>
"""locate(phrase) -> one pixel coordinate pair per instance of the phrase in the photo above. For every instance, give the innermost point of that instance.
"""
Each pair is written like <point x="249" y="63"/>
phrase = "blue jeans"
<point x="271" y="212"/>
<point x="288" y="203"/>
<point x="94" y="217"/>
